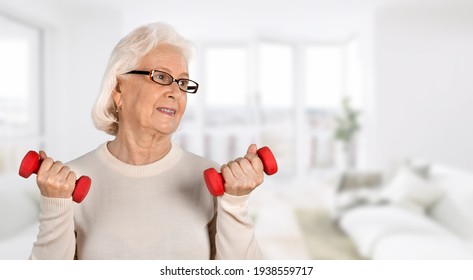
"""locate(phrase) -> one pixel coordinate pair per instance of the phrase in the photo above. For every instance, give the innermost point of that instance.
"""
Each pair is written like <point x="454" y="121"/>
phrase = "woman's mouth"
<point x="167" y="111"/>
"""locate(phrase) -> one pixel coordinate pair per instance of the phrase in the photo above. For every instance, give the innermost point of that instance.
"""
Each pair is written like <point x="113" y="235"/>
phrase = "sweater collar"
<point x="151" y="169"/>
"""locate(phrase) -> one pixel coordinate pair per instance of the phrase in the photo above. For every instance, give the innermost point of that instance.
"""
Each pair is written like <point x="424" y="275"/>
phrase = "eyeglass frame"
<point x="151" y="74"/>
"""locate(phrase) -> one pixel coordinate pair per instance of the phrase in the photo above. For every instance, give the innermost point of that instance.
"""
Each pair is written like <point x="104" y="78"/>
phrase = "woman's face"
<point x="148" y="107"/>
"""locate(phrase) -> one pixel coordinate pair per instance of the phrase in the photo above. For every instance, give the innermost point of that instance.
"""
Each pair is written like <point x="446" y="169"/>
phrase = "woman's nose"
<point x="174" y="90"/>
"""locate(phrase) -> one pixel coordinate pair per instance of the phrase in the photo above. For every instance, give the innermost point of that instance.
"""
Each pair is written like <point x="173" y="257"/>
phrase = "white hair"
<point x="126" y="55"/>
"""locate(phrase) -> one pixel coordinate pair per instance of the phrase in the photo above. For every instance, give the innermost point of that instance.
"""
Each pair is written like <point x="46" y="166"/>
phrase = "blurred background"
<point x="365" y="103"/>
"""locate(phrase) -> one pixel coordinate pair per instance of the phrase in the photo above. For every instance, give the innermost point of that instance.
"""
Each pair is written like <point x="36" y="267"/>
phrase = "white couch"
<point x="412" y="217"/>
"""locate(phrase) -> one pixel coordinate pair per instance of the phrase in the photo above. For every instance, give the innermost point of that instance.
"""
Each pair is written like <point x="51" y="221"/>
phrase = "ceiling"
<point x="230" y="19"/>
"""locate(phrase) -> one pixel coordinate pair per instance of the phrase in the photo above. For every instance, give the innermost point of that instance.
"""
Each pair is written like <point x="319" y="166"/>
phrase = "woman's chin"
<point x="165" y="130"/>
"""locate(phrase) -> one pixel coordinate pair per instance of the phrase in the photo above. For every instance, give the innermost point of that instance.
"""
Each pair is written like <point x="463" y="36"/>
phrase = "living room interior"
<point x="365" y="104"/>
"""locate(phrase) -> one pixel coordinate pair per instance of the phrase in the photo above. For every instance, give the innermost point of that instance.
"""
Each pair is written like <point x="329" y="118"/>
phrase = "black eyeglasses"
<point x="166" y="79"/>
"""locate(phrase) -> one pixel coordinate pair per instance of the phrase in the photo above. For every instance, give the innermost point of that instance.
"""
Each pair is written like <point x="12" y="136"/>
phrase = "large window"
<point x="332" y="74"/>
<point x="20" y="90"/>
<point x="276" y="94"/>
<point x="248" y="92"/>
<point x="227" y="116"/>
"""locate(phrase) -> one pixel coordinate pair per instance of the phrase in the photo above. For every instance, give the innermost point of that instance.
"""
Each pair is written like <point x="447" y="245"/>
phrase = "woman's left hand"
<point x="243" y="175"/>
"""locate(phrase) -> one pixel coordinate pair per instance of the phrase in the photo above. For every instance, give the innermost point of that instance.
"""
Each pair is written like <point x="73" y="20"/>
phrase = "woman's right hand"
<point x="54" y="179"/>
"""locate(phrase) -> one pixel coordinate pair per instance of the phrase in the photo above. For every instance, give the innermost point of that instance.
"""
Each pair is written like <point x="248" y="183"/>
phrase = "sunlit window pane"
<point x="20" y="78"/>
<point x="276" y="75"/>
<point x="354" y="75"/>
<point x="226" y="76"/>
<point x="14" y="58"/>
<point x="324" y="76"/>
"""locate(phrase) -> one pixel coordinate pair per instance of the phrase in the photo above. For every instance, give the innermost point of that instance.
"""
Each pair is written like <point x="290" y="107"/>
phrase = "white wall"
<point x="424" y="85"/>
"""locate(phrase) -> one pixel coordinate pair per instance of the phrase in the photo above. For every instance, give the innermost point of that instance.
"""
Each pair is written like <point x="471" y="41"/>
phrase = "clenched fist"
<point x="243" y="175"/>
<point x="54" y="179"/>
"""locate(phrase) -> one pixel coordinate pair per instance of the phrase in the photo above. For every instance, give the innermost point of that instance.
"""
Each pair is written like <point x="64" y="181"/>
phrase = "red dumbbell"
<point x="214" y="180"/>
<point x="31" y="163"/>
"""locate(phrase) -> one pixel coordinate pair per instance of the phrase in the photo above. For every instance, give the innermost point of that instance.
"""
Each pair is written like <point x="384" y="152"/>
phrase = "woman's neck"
<point x="139" y="150"/>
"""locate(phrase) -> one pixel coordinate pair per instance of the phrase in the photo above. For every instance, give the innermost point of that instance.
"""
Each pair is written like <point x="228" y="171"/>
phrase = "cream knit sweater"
<point x="160" y="210"/>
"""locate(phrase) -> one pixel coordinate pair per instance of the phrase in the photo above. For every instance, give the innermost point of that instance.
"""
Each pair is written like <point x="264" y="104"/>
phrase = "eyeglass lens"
<point x="166" y="79"/>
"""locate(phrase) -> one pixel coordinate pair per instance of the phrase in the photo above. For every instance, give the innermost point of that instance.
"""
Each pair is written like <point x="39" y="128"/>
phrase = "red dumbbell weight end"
<point x="31" y="163"/>
<point x="214" y="180"/>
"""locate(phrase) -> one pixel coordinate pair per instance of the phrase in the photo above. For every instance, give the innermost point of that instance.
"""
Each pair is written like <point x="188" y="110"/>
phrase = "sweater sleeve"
<point x="235" y="237"/>
<point x="56" y="238"/>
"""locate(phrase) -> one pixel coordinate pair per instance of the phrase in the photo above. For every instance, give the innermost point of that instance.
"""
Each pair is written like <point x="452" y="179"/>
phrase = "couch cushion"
<point x="455" y="210"/>
<point x="367" y="226"/>
<point x="409" y="190"/>
<point x="421" y="246"/>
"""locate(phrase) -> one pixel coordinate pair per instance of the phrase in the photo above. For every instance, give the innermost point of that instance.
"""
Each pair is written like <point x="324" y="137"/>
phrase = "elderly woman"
<point x="148" y="199"/>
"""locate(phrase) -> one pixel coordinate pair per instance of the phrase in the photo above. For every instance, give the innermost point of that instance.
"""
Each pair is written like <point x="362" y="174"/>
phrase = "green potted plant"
<point x="346" y="126"/>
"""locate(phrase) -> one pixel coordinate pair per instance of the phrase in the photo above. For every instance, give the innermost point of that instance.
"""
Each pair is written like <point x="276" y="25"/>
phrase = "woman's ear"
<point x="117" y="96"/>
<point x="117" y="87"/>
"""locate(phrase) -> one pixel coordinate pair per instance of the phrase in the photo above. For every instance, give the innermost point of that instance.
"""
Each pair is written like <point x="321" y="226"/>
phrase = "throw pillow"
<point x="411" y="191"/>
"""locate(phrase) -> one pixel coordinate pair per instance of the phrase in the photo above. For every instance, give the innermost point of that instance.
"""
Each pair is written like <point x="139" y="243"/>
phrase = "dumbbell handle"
<point x="31" y="163"/>
<point x="215" y="182"/>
